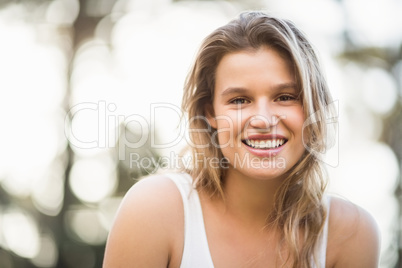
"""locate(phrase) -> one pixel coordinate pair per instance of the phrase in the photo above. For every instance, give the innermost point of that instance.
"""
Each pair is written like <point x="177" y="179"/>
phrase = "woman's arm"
<point x="141" y="234"/>
<point x="356" y="236"/>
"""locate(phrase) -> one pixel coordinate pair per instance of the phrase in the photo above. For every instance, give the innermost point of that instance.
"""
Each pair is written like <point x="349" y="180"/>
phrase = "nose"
<point x="264" y="117"/>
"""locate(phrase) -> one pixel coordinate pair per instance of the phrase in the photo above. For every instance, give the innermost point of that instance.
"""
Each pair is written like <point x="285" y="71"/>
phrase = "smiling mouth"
<point x="264" y="144"/>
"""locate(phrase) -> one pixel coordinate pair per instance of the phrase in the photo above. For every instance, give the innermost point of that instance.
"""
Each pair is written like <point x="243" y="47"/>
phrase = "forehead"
<point x="253" y="69"/>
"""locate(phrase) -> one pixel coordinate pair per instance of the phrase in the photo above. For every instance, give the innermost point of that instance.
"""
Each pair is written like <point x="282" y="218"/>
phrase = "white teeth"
<point x="269" y="144"/>
<point x="265" y="144"/>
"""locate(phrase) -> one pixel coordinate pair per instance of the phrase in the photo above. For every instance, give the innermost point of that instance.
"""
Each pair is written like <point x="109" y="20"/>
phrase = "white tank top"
<point x="196" y="252"/>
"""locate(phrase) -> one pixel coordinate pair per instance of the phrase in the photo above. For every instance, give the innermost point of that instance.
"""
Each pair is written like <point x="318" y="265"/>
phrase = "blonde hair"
<point x="298" y="212"/>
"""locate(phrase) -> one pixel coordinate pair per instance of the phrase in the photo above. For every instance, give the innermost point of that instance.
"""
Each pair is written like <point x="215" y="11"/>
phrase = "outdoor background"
<point x="82" y="81"/>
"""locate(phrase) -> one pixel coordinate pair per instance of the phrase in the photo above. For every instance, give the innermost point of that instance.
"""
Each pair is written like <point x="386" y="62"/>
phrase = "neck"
<point x="249" y="200"/>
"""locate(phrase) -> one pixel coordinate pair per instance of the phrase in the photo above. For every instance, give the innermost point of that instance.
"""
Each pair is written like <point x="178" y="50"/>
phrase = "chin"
<point x="268" y="175"/>
<point x="262" y="173"/>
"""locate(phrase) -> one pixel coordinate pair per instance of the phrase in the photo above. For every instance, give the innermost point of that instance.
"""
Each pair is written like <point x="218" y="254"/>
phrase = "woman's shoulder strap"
<point x="196" y="250"/>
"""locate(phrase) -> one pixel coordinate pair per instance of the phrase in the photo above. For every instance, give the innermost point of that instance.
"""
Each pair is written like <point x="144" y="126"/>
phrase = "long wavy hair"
<point x="299" y="211"/>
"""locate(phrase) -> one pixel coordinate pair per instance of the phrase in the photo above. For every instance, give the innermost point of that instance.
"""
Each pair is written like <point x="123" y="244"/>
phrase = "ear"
<point x="210" y="115"/>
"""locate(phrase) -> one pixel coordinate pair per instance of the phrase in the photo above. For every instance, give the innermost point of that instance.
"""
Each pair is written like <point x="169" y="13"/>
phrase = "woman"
<point x="259" y="183"/>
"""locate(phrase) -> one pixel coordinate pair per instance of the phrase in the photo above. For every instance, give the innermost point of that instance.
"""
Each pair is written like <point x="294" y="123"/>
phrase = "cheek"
<point x="229" y="124"/>
<point x="295" y="122"/>
<point x="226" y="132"/>
<point x="297" y="119"/>
<point x="300" y="121"/>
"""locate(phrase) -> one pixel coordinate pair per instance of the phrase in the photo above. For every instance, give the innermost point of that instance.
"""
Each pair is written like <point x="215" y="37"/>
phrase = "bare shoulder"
<point x="145" y="225"/>
<point x="156" y="190"/>
<point x="353" y="236"/>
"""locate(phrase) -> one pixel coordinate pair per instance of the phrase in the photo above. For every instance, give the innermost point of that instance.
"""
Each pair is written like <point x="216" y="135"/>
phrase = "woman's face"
<point x="258" y="113"/>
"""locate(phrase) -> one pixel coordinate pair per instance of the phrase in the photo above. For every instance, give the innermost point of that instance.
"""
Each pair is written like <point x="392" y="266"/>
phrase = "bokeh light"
<point x="93" y="179"/>
<point x="48" y="190"/>
<point x="62" y="12"/>
<point x="86" y="226"/>
<point x="48" y="254"/>
<point x="380" y="101"/>
<point x="378" y="25"/>
<point x="18" y="226"/>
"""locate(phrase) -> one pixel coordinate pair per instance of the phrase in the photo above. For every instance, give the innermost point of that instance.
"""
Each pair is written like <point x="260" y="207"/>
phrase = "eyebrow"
<point x="241" y="90"/>
<point x="233" y="90"/>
